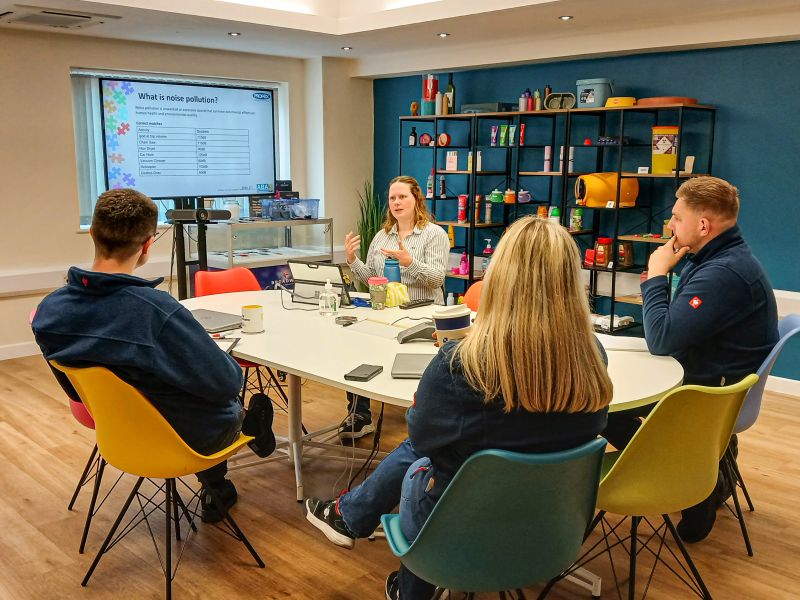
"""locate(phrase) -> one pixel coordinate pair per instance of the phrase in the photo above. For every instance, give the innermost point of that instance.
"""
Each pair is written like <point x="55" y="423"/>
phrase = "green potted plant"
<point x="372" y="209"/>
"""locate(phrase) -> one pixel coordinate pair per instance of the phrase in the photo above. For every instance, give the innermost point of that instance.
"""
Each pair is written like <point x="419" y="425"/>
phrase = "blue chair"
<point x="506" y="521"/>
<point x="787" y="327"/>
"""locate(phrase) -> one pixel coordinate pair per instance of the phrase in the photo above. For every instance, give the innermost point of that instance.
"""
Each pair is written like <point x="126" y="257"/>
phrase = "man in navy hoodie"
<point x="723" y="320"/>
<point x="107" y="316"/>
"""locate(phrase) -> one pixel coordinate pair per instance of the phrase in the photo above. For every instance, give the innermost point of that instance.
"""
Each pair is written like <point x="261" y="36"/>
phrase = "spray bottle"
<point x="487" y="255"/>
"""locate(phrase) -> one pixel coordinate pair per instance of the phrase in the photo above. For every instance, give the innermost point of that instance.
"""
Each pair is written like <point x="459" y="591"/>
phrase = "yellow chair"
<point x="672" y="463"/>
<point x="133" y="437"/>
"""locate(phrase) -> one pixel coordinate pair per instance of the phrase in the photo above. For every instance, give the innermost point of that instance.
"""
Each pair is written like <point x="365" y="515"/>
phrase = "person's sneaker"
<point x="355" y="426"/>
<point x="324" y="515"/>
<point x="226" y="492"/>
<point x="258" y="423"/>
<point x="392" y="587"/>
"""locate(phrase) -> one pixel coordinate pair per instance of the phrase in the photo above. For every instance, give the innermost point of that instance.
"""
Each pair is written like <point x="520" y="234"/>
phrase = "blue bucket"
<point x="593" y="93"/>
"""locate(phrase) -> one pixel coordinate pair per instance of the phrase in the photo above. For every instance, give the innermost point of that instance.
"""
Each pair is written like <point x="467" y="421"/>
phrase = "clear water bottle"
<point x="328" y="300"/>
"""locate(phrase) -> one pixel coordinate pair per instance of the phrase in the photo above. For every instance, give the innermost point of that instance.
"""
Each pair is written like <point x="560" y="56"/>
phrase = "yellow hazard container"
<point x="665" y="149"/>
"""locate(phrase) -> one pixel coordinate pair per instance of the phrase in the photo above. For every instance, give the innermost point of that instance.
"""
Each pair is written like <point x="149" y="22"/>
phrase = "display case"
<point x="260" y="243"/>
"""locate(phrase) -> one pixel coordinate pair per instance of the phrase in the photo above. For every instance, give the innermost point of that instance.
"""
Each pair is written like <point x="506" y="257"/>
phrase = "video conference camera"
<point x="199" y="215"/>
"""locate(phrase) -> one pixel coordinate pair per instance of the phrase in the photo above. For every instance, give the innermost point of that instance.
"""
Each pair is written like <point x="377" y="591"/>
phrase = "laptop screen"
<point x="310" y="278"/>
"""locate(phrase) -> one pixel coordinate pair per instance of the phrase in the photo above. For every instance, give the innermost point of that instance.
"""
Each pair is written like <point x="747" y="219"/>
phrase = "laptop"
<point x="310" y="278"/>
<point x="410" y="366"/>
<point x="214" y="321"/>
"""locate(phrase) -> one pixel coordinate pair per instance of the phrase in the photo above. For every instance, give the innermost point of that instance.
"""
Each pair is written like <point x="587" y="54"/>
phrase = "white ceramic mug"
<point x="252" y="318"/>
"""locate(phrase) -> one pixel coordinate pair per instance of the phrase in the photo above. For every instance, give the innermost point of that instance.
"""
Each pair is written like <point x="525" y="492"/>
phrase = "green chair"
<point x="672" y="463"/>
<point x="506" y="521"/>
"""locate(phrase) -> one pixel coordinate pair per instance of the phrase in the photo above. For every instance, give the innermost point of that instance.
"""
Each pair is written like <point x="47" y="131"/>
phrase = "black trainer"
<point x="258" y="423"/>
<point x="323" y="515"/>
<point x="226" y="492"/>
<point x="355" y="426"/>
<point x="392" y="587"/>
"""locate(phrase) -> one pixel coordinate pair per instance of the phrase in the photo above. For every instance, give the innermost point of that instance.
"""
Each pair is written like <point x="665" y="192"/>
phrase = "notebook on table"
<point x="214" y="321"/>
<point x="410" y="366"/>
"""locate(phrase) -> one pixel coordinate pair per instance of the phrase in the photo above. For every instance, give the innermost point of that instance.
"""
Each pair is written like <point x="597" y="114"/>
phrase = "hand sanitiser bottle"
<point x="487" y="254"/>
<point x="328" y="300"/>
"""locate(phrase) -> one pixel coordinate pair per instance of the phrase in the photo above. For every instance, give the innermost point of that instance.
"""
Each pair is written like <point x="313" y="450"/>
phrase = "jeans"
<point x="362" y="405"/>
<point x="401" y="478"/>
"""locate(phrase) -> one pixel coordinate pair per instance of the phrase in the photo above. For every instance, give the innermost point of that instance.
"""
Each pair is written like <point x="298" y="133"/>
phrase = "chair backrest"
<point x="672" y="461"/>
<point x="237" y="279"/>
<point x="787" y="327"/>
<point x="131" y="434"/>
<point x="508" y="520"/>
<point x="472" y="297"/>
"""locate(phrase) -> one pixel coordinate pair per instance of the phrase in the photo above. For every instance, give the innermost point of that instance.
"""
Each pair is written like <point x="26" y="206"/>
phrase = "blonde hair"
<point x="532" y="341"/>
<point x="712" y="194"/>
<point x="421" y="214"/>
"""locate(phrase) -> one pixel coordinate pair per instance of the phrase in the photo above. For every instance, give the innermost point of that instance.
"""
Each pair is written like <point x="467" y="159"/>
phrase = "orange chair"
<point x="473" y="296"/>
<point x="238" y="279"/>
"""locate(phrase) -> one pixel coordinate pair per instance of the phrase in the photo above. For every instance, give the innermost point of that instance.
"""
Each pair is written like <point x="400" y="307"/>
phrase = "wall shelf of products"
<point x="538" y="167"/>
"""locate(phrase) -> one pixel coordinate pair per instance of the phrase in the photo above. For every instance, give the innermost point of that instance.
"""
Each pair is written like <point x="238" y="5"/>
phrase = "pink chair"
<point x="94" y="466"/>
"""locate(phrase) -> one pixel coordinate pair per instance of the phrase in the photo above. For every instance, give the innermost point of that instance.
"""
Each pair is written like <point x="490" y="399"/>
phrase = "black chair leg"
<point x="740" y="479"/>
<point x="112" y="531"/>
<point x="260" y="382"/>
<point x="699" y="580"/>
<point x="739" y="515"/>
<point x="175" y="516"/>
<point x="232" y="524"/>
<point x="244" y="384"/>
<point x="168" y="538"/>
<point x="92" y="503"/>
<point x="83" y="478"/>
<point x="632" y="576"/>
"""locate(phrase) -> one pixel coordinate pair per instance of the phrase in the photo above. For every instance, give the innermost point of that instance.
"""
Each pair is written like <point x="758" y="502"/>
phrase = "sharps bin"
<point x="665" y="149"/>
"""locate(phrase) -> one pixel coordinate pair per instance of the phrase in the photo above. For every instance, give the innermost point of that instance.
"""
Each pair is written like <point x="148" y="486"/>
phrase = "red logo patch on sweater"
<point x="84" y="281"/>
<point x="695" y="302"/>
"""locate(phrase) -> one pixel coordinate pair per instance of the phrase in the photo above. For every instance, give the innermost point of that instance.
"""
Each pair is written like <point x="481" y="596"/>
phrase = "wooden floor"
<point x="44" y="449"/>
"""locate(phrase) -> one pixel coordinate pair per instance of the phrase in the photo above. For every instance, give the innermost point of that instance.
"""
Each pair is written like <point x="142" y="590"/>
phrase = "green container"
<point x="496" y="196"/>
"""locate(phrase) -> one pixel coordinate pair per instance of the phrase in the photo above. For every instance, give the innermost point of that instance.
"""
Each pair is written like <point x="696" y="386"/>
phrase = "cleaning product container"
<point x="665" y="149"/>
<point x="593" y="93"/>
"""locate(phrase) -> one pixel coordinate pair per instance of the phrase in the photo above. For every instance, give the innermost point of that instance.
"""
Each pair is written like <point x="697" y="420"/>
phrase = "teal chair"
<point x="506" y="521"/>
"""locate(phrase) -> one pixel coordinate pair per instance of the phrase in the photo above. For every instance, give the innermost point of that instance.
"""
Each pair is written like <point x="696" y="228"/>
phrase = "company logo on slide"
<point x="262" y="95"/>
<point x="264" y="187"/>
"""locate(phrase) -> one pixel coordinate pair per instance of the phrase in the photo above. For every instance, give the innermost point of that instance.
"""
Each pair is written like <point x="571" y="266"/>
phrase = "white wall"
<point x="38" y="182"/>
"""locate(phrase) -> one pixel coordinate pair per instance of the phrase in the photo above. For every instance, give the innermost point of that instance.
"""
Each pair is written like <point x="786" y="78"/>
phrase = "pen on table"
<point x="217" y="336"/>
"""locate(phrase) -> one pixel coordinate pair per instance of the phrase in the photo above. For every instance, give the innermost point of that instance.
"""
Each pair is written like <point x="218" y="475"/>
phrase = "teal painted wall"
<point x="757" y="141"/>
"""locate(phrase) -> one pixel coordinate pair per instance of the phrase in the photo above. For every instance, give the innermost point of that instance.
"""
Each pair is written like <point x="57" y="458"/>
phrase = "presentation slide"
<point x="172" y="140"/>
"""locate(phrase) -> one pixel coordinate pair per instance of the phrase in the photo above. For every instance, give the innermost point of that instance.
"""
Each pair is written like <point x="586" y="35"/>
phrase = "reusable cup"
<point x="452" y="322"/>
<point x="377" y="292"/>
<point x="252" y="318"/>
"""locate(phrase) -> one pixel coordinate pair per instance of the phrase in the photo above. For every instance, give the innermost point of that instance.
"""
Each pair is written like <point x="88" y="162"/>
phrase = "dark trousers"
<point x="361" y="402"/>
<point x="209" y="444"/>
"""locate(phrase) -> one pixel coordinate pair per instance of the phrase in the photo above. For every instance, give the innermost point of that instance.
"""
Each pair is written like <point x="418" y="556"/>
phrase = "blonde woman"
<point x="420" y="246"/>
<point x="529" y="378"/>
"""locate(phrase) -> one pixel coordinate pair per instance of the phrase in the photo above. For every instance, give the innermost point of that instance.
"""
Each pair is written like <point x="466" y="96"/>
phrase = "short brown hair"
<point x="123" y="220"/>
<point x="421" y="214"/>
<point x="712" y="194"/>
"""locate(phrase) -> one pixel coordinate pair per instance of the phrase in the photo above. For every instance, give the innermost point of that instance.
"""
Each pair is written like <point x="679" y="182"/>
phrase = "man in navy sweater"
<point x="722" y="322"/>
<point x="107" y="316"/>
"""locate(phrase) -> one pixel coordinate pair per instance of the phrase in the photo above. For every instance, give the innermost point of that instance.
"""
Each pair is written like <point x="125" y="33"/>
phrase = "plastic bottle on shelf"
<point x="451" y="234"/>
<point x="576" y="219"/>
<point x="463" y="267"/>
<point x="442" y="187"/>
<point x="412" y="137"/>
<point x="429" y="187"/>
<point x="328" y="300"/>
<point x="555" y="215"/>
<point x="487" y="254"/>
<point x="450" y="300"/>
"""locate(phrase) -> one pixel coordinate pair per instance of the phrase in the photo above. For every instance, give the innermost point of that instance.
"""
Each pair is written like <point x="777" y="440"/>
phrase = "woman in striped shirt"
<point x="420" y="246"/>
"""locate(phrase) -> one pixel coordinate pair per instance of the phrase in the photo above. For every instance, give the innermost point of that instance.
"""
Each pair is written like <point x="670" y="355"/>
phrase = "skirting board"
<point x="779" y="385"/>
